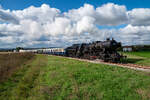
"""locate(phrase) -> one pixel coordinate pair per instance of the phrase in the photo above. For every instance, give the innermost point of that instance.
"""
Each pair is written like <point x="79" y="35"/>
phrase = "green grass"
<point x="19" y="86"/>
<point x="145" y="54"/>
<point x="57" y="78"/>
<point x="141" y="57"/>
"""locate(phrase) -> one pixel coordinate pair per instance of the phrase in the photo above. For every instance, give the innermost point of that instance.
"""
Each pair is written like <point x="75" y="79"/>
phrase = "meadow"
<point x="139" y="57"/>
<point x="10" y="62"/>
<point x="57" y="78"/>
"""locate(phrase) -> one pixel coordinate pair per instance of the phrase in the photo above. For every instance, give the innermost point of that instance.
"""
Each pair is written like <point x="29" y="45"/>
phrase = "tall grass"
<point x="9" y="62"/>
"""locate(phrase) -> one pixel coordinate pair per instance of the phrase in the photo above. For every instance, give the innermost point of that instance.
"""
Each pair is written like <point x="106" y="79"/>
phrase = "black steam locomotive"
<point x="106" y="50"/>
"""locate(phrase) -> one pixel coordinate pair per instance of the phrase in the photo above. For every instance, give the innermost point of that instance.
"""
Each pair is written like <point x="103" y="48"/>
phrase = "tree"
<point x="18" y="48"/>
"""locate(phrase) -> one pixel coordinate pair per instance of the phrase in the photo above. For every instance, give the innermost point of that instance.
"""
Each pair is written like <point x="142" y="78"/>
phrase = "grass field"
<point x="10" y="62"/>
<point x="57" y="78"/>
<point x="141" y="57"/>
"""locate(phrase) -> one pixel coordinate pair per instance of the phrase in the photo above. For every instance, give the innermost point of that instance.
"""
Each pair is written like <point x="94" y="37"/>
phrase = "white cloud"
<point x="135" y="35"/>
<point x="78" y="14"/>
<point x="108" y="14"/>
<point x="41" y="14"/>
<point x="46" y="26"/>
<point x="60" y="25"/>
<point x="7" y="16"/>
<point x="86" y="24"/>
<point x="111" y="14"/>
<point x="8" y="39"/>
<point x="139" y="16"/>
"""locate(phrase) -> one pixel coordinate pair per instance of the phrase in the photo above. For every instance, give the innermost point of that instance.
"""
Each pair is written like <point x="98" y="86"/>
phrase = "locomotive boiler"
<point x="104" y="50"/>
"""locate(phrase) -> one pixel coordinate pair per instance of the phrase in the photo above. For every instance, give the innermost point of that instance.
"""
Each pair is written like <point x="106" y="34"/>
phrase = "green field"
<point x="141" y="57"/>
<point x="57" y="78"/>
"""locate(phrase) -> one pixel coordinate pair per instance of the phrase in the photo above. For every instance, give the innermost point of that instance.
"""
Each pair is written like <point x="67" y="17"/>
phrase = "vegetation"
<point x="10" y="62"/>
<point x="18" y="48"/>
<point x="53" y="78"/>
<point x="139" y="57"/>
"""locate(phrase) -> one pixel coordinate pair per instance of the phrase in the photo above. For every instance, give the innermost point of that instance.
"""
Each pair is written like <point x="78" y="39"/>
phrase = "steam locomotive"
<point x="104" y="50"/>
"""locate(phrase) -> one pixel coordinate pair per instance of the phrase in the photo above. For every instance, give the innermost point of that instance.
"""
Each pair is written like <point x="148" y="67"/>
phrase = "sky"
<point x="66" y="5"/>
<point x="60" y="23"/>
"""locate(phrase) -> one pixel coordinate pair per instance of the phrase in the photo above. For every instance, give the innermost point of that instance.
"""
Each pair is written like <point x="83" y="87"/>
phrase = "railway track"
<point x="128" y="65"/>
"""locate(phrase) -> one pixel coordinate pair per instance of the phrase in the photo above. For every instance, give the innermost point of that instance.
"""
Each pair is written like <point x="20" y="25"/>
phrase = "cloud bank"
<point x="46" y="26"/>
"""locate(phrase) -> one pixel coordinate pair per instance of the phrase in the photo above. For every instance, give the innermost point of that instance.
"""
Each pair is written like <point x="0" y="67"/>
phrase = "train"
<point x="50" y="51"/>
<point x="104" y="50"/>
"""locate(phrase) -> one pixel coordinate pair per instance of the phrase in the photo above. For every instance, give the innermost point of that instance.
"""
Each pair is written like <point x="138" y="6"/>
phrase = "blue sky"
<point x="65" y="5"/>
